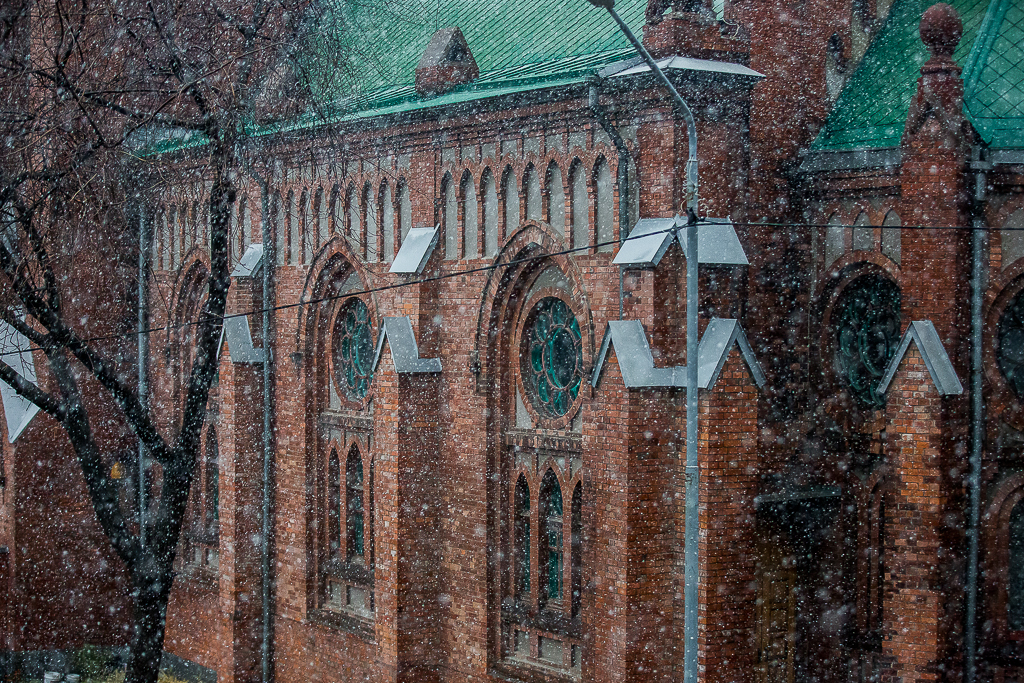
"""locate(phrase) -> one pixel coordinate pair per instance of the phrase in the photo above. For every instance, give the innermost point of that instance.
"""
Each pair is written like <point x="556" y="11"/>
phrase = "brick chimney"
<point x="446" y="63"/>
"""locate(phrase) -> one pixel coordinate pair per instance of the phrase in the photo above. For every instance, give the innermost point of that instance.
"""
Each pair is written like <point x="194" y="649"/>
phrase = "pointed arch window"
<point x="201" y="548"/>
<point x="866" y="324"/>
<point x="333" y="505"/>
<point x="522" y="539"/>
<point x="348" y="553"/>
<point x="353" y="350"/>
<point x="387" y="221"/>
<point x="354" y="501"/>
<point x="1015" y="587"/>
<point x="1010" y="352"/>
<point x="470" y="210"/>
<point x="542" y="609"/>
<point x="555" y="195"/>
<point x="604" y="209"/>
<point x="510" y="201"/>
<point x="552" y="551"/>
<point x="490" y="198"/>
<point x="450" y="220"/>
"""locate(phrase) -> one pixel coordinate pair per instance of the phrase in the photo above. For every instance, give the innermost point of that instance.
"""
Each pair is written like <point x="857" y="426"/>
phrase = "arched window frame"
<point x="201" y="542"/>
<point x="1006" y="497"/>
<point x="449" y="218"/>
<point x="347" y="544"/>
<point x="490" y="212"/>
<point x="469" y="210"/>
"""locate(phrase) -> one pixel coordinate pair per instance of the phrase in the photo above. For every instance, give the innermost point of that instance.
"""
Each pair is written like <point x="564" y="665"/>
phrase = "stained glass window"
<point x="353" y="350"/>
<point x="867" y="329"/>
<point x="334" y="504"/>
<point x="551" y="511"/>
<point x="1011" y="345"/>
<point x="552" y="359"/>
<point x="354" y="495"/>
<point x="522" y="541"/>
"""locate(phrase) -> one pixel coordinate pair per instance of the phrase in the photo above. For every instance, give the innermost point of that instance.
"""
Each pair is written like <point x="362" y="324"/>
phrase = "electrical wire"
<point x="494" y="266"/>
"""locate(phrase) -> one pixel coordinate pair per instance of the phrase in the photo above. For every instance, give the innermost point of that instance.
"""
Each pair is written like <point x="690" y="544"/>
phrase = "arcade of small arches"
<point x="574" y="195"/>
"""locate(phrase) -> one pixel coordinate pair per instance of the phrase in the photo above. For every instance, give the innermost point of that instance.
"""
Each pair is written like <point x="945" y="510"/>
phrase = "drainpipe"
<point x="979" y="247"/>
<point x="622" y="172"/>
<point x="691" y="557"/>
<point x="145" y="228"/>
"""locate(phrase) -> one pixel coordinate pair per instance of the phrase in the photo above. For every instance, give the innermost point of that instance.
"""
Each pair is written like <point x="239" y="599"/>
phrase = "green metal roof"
<point x="515" y="44"/>
<point x="871" y="110"/>
<point x="518" y="46"/>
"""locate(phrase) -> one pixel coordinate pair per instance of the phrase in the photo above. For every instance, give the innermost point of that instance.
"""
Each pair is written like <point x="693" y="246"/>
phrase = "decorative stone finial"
<point x="941" y="29"/>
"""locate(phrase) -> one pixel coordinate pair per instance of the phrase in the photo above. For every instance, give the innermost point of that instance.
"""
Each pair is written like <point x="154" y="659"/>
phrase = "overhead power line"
<point x="497" y="265"/>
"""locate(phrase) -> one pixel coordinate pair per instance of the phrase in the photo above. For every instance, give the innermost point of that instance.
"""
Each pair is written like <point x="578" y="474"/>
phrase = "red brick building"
<point x="477" y="434"/>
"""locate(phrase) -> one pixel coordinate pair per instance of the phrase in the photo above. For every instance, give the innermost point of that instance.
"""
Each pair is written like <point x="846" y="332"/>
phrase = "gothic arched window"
<point x="866" y="325"/>
<point x="522" y="539"/>
<point x="1015" y="587"/>
<point x="333" y="505"/>
<point x="354" y="503"/>
<point x="551" y="547"/>
<point x="348" y="561"/>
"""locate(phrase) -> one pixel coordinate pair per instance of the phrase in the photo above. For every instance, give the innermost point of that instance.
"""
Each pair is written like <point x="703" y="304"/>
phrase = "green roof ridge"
<point x="987" y="33"/>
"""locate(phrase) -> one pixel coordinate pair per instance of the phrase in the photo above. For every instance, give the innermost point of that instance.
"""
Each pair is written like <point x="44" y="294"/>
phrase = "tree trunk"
<point x="152" y="591"/>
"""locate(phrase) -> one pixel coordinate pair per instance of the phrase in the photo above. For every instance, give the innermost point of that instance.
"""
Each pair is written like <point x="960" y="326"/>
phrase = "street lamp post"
<point x="692" y="473"/>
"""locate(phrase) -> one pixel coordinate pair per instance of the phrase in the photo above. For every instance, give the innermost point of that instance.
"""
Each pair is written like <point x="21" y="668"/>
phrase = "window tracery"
<point x="353" y="350"/>
<point x="552" y="357"/>
<point x="866" y="325"/>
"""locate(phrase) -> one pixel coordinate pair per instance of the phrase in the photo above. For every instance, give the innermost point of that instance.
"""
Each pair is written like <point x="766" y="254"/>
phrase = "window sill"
<point x="359" y="626"/>
<point x="199" y="576"/>
<point x="532" y="671"/>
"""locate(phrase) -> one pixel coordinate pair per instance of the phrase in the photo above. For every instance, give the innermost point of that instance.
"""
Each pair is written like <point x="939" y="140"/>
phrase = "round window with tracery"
<point x="353" y="350"/>
<point x="1011" y="345"/>
<point x="867" y="329"/>
<point x="552" y="357"/>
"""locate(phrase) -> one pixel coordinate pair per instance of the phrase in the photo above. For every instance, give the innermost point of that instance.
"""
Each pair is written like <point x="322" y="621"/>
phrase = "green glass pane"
<point x="554" y="357"/>
<point x="867" y="332"/>
<point x="356" y="520"/>
<point x="354" y="349"/>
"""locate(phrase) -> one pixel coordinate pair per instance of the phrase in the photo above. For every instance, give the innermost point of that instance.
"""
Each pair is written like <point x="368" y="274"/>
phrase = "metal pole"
<point x="691" y="557"/>
<point x="143" y="359"/>
<point x="269" y="258"/>
<point x="979" y="246"/>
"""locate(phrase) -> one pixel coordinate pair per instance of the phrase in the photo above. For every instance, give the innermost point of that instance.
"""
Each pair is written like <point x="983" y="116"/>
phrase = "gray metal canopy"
<point x="650" y="238"/>
<point x="416" y="249"/>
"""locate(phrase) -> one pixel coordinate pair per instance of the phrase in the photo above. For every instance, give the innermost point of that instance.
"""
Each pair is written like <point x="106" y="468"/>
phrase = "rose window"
<point x="353" y="350"/>
<point x="867" y="325"/>
<point x="552" y="357"/>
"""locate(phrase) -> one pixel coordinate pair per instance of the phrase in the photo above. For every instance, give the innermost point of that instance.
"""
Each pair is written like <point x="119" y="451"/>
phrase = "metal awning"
<point x="416" y="249"/>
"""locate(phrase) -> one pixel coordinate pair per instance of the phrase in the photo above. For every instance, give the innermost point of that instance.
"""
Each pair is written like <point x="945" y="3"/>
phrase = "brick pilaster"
<point x="634" y="455"/>
<point x="406" y="501"/>
<point x="727" y="547"/>
<point x="913" y="609"/>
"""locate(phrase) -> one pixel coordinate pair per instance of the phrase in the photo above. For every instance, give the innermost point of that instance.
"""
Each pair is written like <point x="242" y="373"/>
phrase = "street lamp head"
<point x="607" y="4"/>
